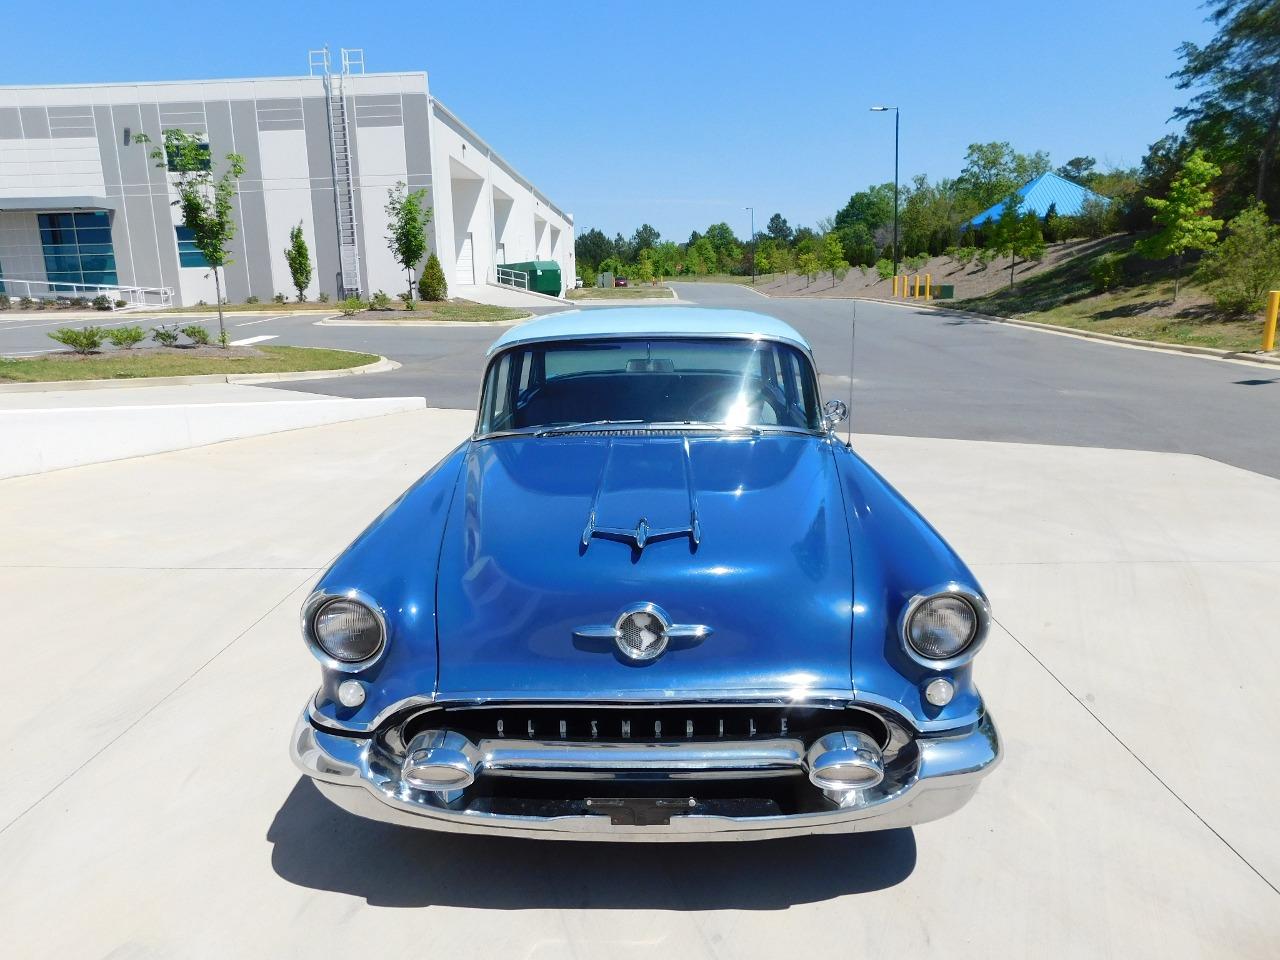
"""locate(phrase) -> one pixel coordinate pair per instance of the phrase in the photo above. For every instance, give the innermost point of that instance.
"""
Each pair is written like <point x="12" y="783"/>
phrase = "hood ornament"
<point x="643" y="532"/>
<point x="643" y="632"/>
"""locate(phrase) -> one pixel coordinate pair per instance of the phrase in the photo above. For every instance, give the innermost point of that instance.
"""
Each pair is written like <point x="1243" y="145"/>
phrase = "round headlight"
<point x="347" y="630"/>
<point x="941" y="627"/>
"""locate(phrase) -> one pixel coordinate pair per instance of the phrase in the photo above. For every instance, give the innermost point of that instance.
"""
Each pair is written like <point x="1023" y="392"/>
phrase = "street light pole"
<point x="753" y="245"/>
<point x="897" y="116"/>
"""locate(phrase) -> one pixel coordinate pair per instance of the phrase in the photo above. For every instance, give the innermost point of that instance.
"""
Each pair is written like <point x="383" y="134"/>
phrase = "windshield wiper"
<point x="586" y="425"/>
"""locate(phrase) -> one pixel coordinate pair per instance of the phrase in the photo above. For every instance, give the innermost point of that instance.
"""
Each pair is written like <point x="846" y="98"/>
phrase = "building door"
<point x="466" y="271"/>
<point x="502" y="254"/>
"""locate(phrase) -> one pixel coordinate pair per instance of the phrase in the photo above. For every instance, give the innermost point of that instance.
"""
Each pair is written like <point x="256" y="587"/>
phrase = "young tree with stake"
<point x="407" y="219"/>
<point x="205" y="200"/>
<point x="1183" y="216"/>
<point x="299" y="259"/>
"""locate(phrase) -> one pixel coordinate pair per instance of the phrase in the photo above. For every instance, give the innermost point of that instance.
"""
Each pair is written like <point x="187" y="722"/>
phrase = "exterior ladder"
<point x="340" y="157"/>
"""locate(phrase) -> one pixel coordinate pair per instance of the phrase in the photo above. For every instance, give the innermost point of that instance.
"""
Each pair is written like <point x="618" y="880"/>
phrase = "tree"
<point x="701" y="256"/>
<point x="779" y="229"/>
<point x="992" y="171"/>
<point x="1237" y="110"/>
<point x="645" y="238"/>
<point x="831" y="256"/>
<point x="593" y="248"/>
<point x="784" y="260"/>
<point x="406" y="227"/>
<point x="644" y="267"/>
<point x="299" y="259"/>
<point x="666" y="258"/>
<point x="1017" y="235"/>
<point x="1182" y="216"/>
<point x="1078" y="169"/>
<point x="725" y="244"/>
<point x="872" y="207"/>
<point x="203" y="199"/>
<point x="809" y="265"/>
<point x="1246" y="264"/>
<point x="432" y="284"/>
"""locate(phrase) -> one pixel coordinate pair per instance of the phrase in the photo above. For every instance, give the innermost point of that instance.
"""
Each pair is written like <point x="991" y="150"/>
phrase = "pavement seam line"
<point x="151" y="709"/>
<point x="1145" y="766"/>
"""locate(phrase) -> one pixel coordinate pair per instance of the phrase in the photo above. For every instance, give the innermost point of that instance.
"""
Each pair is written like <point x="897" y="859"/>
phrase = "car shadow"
<point x="317" y="845"/>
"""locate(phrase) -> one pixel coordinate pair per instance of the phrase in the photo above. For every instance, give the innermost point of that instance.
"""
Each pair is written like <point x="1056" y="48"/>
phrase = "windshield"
<point x="732" y="383"/>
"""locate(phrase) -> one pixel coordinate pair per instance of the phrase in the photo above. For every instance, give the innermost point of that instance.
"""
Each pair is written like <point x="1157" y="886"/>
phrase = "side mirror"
<point x="834" y="412"/>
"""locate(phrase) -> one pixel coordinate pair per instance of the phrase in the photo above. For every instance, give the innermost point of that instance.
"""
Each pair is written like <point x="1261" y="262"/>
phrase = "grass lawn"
<point x="171" y="362"/>
<point x="621" y="293"/>
<point x="463" y="311"/>
<point x="1143" y="308"/>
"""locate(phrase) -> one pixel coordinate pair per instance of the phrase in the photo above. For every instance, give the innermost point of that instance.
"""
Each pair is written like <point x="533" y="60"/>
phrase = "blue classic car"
<point x="651" y="597"/>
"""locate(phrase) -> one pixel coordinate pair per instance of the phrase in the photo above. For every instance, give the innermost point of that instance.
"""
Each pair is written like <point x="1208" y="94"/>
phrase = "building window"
<point x="189" y="254"/>
<point x="172" y="161"/>
<point x="77" y="248"/>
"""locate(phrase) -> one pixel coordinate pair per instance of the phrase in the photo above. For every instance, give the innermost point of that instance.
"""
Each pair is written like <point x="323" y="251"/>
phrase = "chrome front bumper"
<point x="934" y="778"/>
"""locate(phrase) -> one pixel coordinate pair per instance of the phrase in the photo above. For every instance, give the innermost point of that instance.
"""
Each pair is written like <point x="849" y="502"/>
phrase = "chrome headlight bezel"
<point x="317" y="602"/>
<point x="982" y="613"/>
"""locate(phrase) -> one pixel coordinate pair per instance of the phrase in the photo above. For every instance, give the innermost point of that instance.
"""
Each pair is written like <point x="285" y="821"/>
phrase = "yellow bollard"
<point x="928" y="286"/>
<point x="916" y="292"/>
<point x="895" y="284"/>
<point x="1269" y="328"/>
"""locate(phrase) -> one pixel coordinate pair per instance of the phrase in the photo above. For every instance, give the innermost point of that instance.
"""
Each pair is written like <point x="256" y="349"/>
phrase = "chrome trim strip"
<point x="836" y="699"/>
<point x="738" y="757"/>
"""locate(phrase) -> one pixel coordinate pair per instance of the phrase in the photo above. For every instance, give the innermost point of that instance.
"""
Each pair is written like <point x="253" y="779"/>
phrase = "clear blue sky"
<point x="684" y="113"/>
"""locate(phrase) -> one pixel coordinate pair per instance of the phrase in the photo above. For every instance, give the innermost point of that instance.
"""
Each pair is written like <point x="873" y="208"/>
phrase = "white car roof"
<point x="650" y="321"/>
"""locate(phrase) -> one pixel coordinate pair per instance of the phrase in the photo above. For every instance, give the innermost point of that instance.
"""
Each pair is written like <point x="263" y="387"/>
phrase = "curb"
<point x="1185" y="349"/>
<point x="381" y="365"/>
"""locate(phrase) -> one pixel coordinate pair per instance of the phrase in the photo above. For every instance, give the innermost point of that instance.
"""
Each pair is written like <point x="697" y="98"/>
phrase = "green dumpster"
<point x="544" y="275"/>
<point x="944" y="291"/>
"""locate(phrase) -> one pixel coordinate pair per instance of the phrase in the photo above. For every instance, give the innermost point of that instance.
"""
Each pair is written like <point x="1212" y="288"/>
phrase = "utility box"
<point x="605" y="280"/>
<point x="944" y="291"/>
<point x="544" y="275"/>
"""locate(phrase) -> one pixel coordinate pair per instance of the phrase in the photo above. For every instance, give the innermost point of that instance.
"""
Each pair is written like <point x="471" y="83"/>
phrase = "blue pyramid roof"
<point x="1044" y="191"/>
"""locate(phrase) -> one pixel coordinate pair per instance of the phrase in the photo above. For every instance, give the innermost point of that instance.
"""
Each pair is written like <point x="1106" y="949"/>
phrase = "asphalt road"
<point x="917" y="373"/>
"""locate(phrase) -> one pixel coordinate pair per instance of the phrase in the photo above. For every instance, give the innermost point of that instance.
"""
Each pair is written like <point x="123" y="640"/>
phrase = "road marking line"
<point x="248" y="340"/>
<point x="252" y="322"/>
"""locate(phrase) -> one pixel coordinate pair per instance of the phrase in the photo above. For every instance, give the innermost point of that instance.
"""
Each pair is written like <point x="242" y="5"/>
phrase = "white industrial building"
<point x="83" y="207"/>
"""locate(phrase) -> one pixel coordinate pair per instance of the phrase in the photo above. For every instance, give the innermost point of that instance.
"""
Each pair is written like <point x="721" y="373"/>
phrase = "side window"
<point x="497" y="405"/>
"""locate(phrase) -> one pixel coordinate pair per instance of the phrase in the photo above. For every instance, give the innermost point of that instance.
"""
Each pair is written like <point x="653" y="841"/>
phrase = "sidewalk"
<point x="55" y="429"/>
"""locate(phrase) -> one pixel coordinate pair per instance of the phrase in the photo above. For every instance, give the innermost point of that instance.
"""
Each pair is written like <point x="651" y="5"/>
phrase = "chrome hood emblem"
<point x="643" y="632"/>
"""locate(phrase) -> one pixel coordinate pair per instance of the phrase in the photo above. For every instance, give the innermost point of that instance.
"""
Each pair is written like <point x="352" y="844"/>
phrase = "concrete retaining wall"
<point x="35" y="441"/>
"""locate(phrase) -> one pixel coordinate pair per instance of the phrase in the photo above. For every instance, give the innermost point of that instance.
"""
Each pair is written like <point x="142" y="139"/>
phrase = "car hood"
<point x="548" y="536"/>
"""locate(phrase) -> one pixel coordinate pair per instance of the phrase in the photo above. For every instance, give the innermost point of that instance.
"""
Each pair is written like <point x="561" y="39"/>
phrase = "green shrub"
<point x="1107" y="272"/>
<point x="351" y="306"/>
<point x="1246" y="265"/>
<point x="166" y="336"/>
<point x="278" y="298"/>
<point x="408" y="302"/>
<point x="323" y="297"/>
<point x="986" y="255"/>
<point x="81" y="339"/>
<point x="884" y="268"/>
<point x="964" y="255"/>
<point x="251" y="300"/>
<point x="126" y="338"/>
<point x="121" y="304"/>
<point x="196" y="334"/>
<point x="78" y="302"/>
<point x="5" y="302"/>
<point x="432" y="284"/>
<point x="915" y="263"/>
<point x="26" y="303"/>
<point x="380" y="301"/>
<point x="102" y="302"/>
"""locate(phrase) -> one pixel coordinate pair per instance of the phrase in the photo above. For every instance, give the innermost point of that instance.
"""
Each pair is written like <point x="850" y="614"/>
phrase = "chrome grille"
<point x="644" y="723"/>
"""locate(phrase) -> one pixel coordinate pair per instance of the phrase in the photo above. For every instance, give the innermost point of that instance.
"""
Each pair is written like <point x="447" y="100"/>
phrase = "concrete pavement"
<point x="149" y="808"/>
